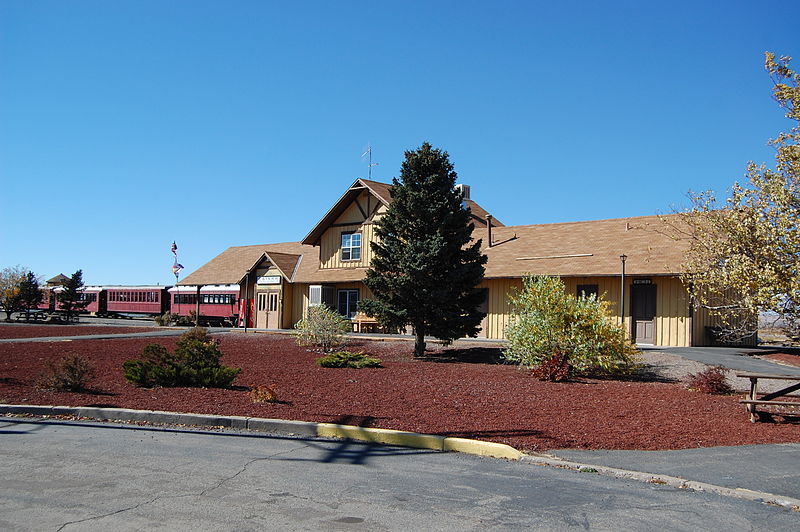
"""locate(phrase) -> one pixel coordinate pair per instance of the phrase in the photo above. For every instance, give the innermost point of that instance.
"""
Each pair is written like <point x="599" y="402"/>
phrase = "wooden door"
<point x="273" y="299"/>
<point x="484" y="307"/>
<point x="261" y="310"/>
<point x="643" y="313"/>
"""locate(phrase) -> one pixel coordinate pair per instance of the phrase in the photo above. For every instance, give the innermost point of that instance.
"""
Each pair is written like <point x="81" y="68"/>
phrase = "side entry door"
<point x="643" y="313"/>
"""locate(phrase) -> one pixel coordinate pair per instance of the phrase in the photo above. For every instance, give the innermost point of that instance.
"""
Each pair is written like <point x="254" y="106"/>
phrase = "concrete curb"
<point x="391" y="437"/>
<point x="277" y="426"/>
<point x="667" y="480"/>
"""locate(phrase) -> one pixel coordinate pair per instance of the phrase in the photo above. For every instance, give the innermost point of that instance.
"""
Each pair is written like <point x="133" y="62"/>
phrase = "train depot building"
<point x="277" y="283"/>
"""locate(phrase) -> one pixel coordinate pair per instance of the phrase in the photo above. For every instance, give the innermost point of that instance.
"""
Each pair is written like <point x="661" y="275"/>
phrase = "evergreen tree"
<point x="30" y="293"/>
<point x="425" y="266"/>
<point x="69" y="299"/>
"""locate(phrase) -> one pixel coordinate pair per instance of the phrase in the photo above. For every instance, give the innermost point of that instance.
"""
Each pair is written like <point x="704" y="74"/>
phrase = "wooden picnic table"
<point x="768" y="399"/>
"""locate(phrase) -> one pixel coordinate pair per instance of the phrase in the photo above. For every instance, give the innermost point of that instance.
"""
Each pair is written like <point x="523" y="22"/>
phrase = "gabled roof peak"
<point x="383" y="192"/>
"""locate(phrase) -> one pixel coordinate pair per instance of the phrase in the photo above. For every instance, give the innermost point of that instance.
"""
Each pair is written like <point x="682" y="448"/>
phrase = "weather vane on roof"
<point x="368" y="154"/>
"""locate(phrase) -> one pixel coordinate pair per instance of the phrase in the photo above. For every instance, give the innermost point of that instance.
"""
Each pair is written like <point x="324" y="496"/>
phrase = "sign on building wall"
<point x="269" y="279"/>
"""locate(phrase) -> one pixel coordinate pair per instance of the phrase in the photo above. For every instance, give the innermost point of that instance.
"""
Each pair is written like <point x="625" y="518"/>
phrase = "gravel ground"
<point x="675" y="368"/>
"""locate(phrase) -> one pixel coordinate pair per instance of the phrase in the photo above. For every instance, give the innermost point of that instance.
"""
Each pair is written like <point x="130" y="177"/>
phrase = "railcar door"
<point x="643" y="313"/>
<point x="102" y="303"/>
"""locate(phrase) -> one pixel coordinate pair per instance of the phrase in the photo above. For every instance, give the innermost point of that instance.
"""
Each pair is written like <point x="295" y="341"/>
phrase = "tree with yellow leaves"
<point x="11" y="280"/>
<point x="744" y="253"/>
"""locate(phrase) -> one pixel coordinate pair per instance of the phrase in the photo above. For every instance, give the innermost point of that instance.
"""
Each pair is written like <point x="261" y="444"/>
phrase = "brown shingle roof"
<point x="59" y="279"/>
<point x="583" y="248"/>
<point x="382" y="190"/>
<point x="285" y="262"/>
<point x="570" y="249"/>
<point x="230" y="266"/>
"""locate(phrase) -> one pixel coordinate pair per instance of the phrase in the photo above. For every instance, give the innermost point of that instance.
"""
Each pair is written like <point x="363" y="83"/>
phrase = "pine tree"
<point x="69" y="300"/>
<point x="425" y="266"/>
<point x="30" y="293"/>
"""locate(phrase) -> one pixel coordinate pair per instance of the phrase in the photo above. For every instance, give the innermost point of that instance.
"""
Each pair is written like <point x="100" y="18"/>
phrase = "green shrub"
<point x="70" y="374"/>
<point x="347" y="359"/>
<point x="323" y="328"/>
<point x="195" y="364"/>
<point x="546" y="320"/>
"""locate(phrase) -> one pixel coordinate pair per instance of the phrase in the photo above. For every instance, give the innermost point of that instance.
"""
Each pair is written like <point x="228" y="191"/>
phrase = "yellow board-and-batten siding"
<point x="673" y="326"/>
<point x="351" y="220"/>
<point x="300" y="301"/>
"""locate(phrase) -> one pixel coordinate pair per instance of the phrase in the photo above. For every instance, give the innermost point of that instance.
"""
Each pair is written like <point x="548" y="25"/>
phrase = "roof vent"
<point x="463" y="190"/>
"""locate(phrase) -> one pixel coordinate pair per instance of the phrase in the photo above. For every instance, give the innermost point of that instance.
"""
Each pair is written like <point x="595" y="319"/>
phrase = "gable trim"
<point x="350" y="196"/>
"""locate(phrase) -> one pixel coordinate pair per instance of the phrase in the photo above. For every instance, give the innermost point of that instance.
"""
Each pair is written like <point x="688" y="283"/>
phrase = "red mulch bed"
<point x="784" y="358"/>
<point x="473" y="399"/>
<point x="13" y="330"/>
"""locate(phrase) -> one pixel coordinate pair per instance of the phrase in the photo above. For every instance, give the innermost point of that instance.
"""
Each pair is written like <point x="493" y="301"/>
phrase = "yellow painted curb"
<point x="482" y="448"/>
<point x="387" y="436"/>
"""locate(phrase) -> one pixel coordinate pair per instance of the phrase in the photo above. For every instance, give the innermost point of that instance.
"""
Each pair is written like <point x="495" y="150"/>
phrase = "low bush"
<point x="195" y="364"/>
<point x="555" y="368"/>
<point x="347" y="359"/>
<point x="166" y="319"/>
<point x="711" y="380"/>
<point x="264" y="394"/>
<point x="546" y="320"/>
<point x="323" y="328"/>
<point x="70" y="374"/>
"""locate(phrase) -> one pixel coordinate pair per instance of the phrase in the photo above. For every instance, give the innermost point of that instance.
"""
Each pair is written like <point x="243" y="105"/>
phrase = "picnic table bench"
<point x="364" y="323"/>
<point x="35" y="315"/>
<point x="768" y="399"/>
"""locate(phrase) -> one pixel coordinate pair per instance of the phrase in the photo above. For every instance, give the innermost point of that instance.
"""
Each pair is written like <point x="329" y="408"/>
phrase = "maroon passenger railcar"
<point x="151" y="300"/>
<point x="216" y="301"/>
<point x="95" y="296"/>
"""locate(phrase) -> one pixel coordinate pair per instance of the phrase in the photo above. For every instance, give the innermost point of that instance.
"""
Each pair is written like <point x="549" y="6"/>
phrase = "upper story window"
<point x="351" y="246"/>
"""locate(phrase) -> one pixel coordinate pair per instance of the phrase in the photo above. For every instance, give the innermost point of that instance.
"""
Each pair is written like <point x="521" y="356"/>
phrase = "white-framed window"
<point x="351" y="246"/>
<point x="348" y="303"/>
<point x="320" y="294"/>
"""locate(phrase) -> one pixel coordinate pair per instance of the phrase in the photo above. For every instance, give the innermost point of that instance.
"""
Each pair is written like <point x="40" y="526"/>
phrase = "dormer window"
<point x="351" y="246"/>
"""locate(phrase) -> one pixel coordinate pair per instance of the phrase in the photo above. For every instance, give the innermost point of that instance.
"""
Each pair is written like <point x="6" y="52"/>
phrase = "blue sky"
<point x="126" y="125"/>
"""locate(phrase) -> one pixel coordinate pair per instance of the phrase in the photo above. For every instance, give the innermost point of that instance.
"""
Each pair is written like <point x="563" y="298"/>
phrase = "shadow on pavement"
<point x="333" y="451"/>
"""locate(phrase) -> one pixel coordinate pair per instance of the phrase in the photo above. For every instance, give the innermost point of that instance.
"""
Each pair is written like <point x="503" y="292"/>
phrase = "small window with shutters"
<point x="315" y="294"/>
